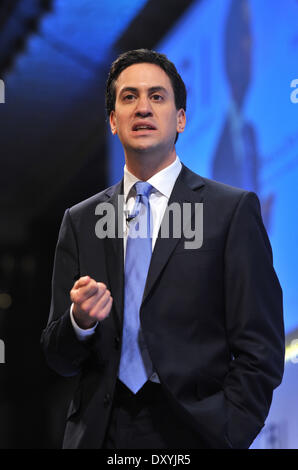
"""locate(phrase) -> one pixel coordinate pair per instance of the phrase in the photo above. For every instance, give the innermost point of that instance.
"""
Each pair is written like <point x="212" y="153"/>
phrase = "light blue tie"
<point x="135" y="364"/>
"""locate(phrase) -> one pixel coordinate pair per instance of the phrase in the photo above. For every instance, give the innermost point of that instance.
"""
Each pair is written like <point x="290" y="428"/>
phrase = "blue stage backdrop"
<point x="239" y="59"/>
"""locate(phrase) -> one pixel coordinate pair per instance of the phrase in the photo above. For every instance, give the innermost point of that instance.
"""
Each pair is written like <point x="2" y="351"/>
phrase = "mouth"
<point x="143" y="128"/>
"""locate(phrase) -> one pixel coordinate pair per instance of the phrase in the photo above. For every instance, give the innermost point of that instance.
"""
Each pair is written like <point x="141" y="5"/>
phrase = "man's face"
<point x="145" y="116"/>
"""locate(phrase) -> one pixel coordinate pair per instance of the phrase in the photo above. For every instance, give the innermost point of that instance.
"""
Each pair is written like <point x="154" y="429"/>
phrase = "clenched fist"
<point x="92" y="302"/>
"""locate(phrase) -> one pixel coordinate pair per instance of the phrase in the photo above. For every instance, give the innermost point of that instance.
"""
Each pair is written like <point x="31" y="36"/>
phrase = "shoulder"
<point x="90" y="203"/>
<point x="232" y="199"/>
<point x="222" y="189"/>
<point x="224" y="192"/>
<point x="221" y="201"/>
<point x="82" y="213"/>
<point x="214" y="190"/>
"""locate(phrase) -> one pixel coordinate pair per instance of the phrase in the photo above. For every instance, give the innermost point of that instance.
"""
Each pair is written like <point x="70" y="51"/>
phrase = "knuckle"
<point x="84" y="307"/>
<point x="92" y="313"/>
<point x="107" y="294"/>
<point x="101" y="287"/>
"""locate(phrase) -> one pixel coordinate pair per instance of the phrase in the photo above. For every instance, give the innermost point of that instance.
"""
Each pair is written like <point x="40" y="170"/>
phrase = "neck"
<point x="144" y="166"/>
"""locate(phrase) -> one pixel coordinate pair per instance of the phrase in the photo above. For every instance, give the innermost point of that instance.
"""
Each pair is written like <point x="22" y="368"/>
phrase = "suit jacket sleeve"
<point x="64" y="352"/>
<point x="254" y="323"/>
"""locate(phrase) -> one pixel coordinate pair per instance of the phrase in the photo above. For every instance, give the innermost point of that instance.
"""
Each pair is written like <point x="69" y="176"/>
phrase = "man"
<point x="180" y="348"/>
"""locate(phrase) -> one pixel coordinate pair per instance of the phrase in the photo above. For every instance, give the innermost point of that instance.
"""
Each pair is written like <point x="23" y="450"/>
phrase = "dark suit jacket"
<point x="211" y="318"/>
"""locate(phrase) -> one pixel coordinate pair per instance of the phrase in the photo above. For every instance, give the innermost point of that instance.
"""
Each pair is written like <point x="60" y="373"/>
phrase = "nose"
<point x="143" y="108"/>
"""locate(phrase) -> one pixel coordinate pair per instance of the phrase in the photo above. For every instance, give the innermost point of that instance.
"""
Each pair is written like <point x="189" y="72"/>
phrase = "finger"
<point x="101" y="287"/>
<point x="100" y="303"/>
<point x="103" y="300"/>
<point x="91" y="301"/>
<point x="93" y="289"/>
<point x="103" y="312"/>
<point x="81" y="294"/>
<point x="87" y="291"/>
<point x="81" y="282"/>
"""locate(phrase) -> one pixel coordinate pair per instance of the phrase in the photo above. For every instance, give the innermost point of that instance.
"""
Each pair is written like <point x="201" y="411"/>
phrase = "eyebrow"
<point x="151" y="89"/>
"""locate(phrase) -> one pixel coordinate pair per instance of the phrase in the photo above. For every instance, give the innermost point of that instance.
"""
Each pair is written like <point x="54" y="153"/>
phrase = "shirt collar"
<point x="163" y="181"/>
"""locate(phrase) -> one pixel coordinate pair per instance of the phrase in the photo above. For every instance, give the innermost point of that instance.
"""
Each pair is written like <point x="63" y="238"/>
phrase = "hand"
<point x="92" y="302"/>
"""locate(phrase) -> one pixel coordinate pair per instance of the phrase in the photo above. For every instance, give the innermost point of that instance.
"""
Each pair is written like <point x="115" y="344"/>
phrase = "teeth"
<point x="143" y="127"/>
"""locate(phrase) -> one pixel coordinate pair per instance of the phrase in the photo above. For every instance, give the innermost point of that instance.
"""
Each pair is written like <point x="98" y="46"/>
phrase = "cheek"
<point x="122" y="125"/>
<point x="170" y="125"/>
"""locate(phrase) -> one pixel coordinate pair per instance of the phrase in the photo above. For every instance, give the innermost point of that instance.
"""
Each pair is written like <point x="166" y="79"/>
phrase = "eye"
<point x="157" y="97"/>
<point x="128" y="97"/>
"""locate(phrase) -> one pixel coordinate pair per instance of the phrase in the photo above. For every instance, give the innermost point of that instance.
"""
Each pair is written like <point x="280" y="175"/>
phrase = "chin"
<point x="144" y="148"/>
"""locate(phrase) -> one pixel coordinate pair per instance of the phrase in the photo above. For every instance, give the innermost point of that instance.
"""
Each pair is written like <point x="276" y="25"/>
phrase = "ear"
<point x="113" y="123"/>
<point x="181" y="120"/>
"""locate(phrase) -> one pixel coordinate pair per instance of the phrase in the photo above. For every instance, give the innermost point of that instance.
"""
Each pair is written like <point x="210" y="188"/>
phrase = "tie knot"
<point x="143" y="188"/>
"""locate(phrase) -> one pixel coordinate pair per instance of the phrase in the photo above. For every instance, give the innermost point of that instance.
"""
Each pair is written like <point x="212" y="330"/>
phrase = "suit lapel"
<point x="183" y="191"/>
<point x="115" y="254"/>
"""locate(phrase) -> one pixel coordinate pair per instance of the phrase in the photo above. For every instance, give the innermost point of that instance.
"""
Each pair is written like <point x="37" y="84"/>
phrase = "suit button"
<point x="117" y="342"/>
<point x="107" y="400"/>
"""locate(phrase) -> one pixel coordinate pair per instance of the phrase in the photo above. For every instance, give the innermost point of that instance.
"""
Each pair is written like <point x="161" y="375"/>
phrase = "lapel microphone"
<point x="131" y="216"/>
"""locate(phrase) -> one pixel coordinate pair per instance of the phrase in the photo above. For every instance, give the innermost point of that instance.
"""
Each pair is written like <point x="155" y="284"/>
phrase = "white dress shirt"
<point x="163" y="183"/>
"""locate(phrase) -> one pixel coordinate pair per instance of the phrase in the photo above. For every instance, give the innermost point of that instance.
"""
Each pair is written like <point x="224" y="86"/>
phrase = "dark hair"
<point x="142" y="56"/>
